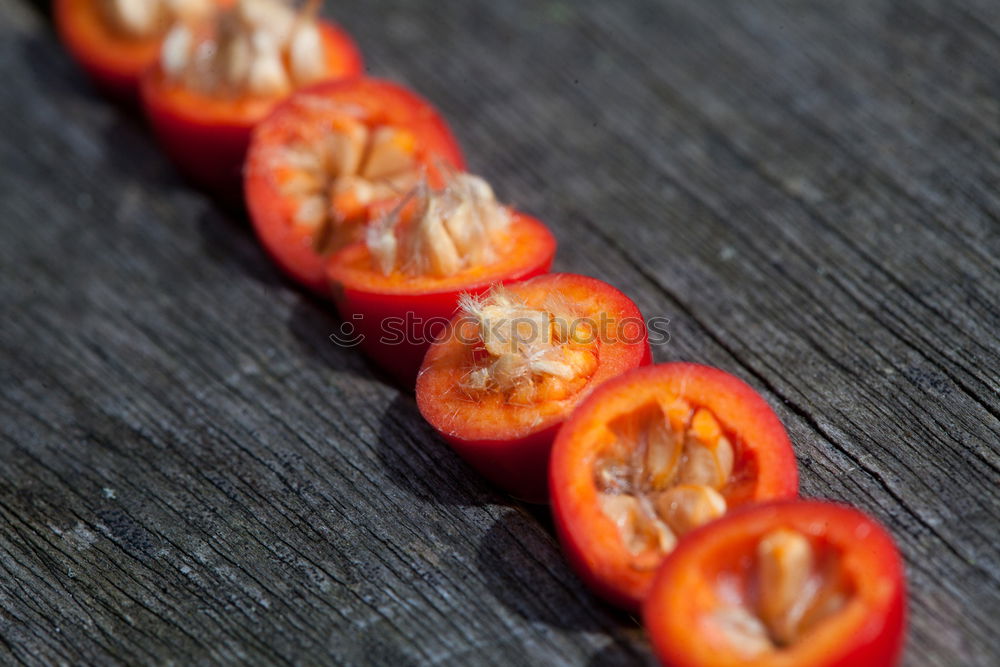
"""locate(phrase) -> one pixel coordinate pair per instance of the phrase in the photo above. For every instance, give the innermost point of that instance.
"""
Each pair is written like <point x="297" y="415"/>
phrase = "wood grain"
<point x="191" y="470"/>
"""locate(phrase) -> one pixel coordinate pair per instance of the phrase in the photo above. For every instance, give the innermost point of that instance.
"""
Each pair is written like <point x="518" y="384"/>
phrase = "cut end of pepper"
<point x="787" y="582"/>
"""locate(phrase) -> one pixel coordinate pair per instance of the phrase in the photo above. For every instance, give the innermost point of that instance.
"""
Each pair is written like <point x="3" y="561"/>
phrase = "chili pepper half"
<point x="515" y="362"/>
<point x="329" y="155"/>
<point x="114" y="41"/>
<point x="650" y="456"/>
<point x="780" y="584"/>
<point x="217" y="78"/>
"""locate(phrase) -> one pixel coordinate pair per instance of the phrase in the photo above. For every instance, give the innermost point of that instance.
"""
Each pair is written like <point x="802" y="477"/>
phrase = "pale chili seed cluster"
<point x="146" y="19"/>
<point x="794" y="591"/>
<point x="343" y="172"/>
<point x="529" y="354"/>
<point x="259" y="47"/>
<point x="663" y="473"/>
<point x="439" y="232"/>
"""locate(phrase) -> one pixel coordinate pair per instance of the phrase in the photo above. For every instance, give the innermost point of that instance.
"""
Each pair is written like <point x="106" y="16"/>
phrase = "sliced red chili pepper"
<point x="216" y="79"/>
<point x="330" y="153"/>
<point x="515" y="363"/>
<point x="783" y="583"/>
<point x="115" y="42"/>
<point x="401" y="285"/>
<point x="651" y="455"/>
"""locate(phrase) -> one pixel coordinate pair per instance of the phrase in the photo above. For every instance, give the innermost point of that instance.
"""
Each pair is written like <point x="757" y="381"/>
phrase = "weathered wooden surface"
<point x="190" y="469"/>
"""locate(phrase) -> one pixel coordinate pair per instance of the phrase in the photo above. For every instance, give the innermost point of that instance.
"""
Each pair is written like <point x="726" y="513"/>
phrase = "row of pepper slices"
<point x="673" y="486"/>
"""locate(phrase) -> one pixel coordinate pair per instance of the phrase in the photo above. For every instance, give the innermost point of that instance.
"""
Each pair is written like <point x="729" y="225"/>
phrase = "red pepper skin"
<point x="589" y="539"/>
<point x="516" y="458"/>
<point x="383" y="102"/>
<point x="207" y="137"/>
<point x="868" y="632"/>
<point x="373" y="310"/>
<point x="113" y="63"/>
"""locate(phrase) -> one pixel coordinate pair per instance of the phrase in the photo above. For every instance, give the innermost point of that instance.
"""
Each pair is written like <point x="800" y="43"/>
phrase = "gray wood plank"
<point x="189" y="467"/>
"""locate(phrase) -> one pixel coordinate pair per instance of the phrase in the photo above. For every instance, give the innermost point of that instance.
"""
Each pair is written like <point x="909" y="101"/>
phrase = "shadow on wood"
<point x="423" y="466"/>
<point x="523" y="568"/>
